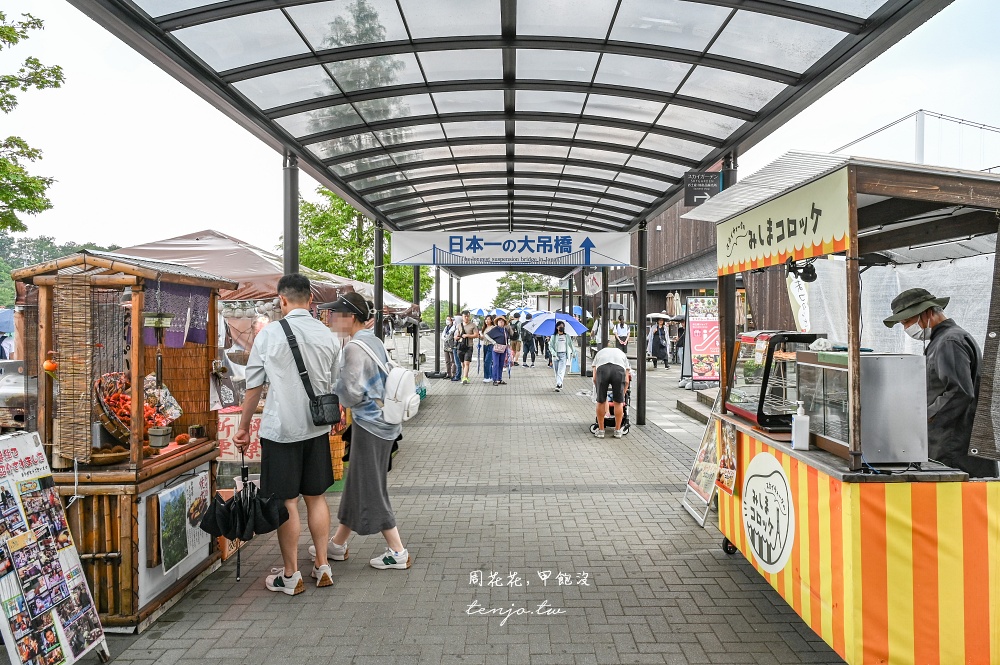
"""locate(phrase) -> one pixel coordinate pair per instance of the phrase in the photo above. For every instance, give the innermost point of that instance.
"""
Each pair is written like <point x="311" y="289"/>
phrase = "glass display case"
<point x="893" y="404"/>
<point x="763" y="382"/>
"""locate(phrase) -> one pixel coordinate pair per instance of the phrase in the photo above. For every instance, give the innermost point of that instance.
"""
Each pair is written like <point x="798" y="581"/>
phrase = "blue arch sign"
<point x="524" y="248"/>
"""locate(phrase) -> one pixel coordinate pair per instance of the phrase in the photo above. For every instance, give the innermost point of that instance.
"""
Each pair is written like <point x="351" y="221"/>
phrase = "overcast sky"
<point x="138" y="158"/>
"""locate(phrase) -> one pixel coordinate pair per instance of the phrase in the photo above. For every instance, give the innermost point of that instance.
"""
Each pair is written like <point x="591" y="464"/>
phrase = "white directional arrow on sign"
<point x="701" y="198"/>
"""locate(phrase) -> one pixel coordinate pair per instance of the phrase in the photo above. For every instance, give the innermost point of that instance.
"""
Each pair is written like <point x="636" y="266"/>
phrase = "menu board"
<point x="49" y="615"/>
<point x="703" y="357"/>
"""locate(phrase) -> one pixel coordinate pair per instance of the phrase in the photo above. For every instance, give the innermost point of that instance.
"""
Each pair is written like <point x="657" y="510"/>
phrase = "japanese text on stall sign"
<point x="12" y="462"/>
<point x="772" y="232"/>
<point x="531" y="244"/>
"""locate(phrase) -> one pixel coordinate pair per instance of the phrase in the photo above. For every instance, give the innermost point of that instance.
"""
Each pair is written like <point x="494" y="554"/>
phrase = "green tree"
<point x="513" y="285"/>
<point x="336" y="238"/>
<point x="25" y="251"/>
<point x="20" y="192"/>
<point x="427" y="313"/>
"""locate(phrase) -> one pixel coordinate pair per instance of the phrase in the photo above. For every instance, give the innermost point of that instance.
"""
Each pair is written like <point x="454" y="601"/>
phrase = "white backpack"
<point x="401" y="399"/>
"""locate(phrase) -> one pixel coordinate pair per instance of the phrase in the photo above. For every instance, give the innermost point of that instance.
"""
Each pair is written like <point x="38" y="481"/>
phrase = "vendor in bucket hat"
<point x="954" y="366"/>
<point x="913" y="302"/>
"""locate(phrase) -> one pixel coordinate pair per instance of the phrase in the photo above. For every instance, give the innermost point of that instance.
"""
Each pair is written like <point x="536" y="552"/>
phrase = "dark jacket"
<point x="954" y="365"/>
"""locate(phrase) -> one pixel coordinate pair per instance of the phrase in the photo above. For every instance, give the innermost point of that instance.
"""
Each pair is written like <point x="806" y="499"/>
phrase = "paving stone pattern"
<point x="509" y="480"/>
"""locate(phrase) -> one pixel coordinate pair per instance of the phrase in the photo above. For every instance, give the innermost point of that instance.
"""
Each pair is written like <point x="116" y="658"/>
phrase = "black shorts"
<point x="465" y="356"/>
<point x="301" y="467"/>
<point x="610" y="377"/>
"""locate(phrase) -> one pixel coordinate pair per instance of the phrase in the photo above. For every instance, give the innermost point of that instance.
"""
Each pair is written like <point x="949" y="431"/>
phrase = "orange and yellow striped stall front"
<point x="885" y="572"/>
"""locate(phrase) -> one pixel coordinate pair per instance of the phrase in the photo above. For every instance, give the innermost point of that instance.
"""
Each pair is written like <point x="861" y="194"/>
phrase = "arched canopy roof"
<point x="574" y="115"/>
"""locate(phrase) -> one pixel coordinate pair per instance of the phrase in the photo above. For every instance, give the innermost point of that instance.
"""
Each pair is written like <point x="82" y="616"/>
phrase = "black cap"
<point x="342" y="304"/>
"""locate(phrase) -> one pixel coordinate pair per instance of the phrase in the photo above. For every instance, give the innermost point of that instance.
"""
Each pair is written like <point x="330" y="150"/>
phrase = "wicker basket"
<point x="336" y="455"/>
<point x="105" y="386"/>
<point x="240" y="357"/>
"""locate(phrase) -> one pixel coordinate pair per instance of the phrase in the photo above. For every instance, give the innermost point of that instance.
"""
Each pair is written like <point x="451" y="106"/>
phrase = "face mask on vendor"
<point x="916" y="331"/>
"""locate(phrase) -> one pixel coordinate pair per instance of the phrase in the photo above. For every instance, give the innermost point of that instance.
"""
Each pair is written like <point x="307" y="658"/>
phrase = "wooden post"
<point x="45" y="405"/>
<point x="727" y="331"/>
<point x="136" y="376"/>
<point x="853" y="322"/>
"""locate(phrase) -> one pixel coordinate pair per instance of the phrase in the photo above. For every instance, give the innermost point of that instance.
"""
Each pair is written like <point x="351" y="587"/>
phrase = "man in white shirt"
<point x="295" y="453"/>
<point x="613" y="373"/>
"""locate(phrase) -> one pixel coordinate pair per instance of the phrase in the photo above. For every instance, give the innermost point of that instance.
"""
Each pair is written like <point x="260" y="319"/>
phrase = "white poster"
<point x="181" y="509"/>
<point x="532" y="248"/>
<point x="49" y="614"/>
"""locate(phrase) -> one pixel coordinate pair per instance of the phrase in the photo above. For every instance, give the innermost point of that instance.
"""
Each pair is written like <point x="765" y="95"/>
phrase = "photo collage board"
<point x="49" y="614"/>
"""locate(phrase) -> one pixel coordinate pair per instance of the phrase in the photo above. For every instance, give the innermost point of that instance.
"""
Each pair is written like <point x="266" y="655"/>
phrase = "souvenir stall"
<point x="243" y="310"/>
<point x="887" y="556"/>
<point x="123" y="349"/>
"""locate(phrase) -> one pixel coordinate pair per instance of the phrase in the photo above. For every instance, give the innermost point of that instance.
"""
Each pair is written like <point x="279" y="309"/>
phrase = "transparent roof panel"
<point x="344" y="145"/>
<point x="646" y="73"/>
<point x="379" y="181"/>
<point x="565" y="18"/>
<point x="673" y="23"/>
<point x="482" y="193"/>
<point x="670" y="169"/>
<point x="469" y="101"/>
<point x="462" y="65"/>
<point x="470" y="182"/>
<point x="384" y="108"/>
<point x="376" y="72"/>
<point x="625" y="137"/>
<point x="698" y="121"/>
<point x="287" y="87"/>
<point x="592" y="155"/>
<point x="478" y="167"/>
<point x="376" y="161"/>
<point x="571" y="197"/>
<point x="732" y="88"/>
<point x="672" y="146"/>
<point x="537" y="167"/>
<point x="564" y="204"/>
<point x="409" y="134"/>
<point x="329" y="25"/>
<point x="859" y="8"/>
<point x="431" y="186"/>
<point x="588" y="172"/>
<point x="451" y="18"/>
<point x="534" y="181"/>
<point x="422" y="155"/>
<point x="485" y="150"/>
<point x="396" y="205"/>
<point x="531" y="150"/>
<point x="640" y="110"/>
<point x="612" y="203"/>
<point x="633" y="195"/>
<point x="536" y="192"/>
<point x="548" y="101"/>
<point x="243" y="40"/>
<point x="328" y="119"/>
<point x="458" y="130"/>
<point x="555" y="130"/>
<point x="556" y="65"/>
<point x="387" y="193"/>
<point x="648" y="183"/>
<point x="570" y="183"/>
<point x="431" y="171"/>
<point x="775" y="41"/>
<point x="163" y="7"/>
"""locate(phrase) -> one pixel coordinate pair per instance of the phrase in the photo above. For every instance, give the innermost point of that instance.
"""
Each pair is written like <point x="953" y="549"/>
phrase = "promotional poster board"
<point x="181" y="510"/>
<point x="49" y="614"/>
<point x="702" y="352"/>
<point x="701" y="483"/>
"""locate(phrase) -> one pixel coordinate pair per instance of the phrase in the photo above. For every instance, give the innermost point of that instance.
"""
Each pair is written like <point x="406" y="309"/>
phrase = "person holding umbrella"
<point x="562" y="348"/>
<point x="658" y="344"/>
<point x="499" y="338"/>
<point x="295" y="453"/>
<point x="364" y="506"/>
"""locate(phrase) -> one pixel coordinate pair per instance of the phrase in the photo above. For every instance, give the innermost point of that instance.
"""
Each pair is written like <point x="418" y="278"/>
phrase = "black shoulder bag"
<point x="325" y="409"/>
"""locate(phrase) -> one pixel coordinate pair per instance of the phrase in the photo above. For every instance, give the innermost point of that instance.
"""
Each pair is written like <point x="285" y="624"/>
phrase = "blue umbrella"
<point x="499" y="312"/>
<point x="479" y="312"/>
<point x="545" y="324"/>
<point x="579" y="310"/>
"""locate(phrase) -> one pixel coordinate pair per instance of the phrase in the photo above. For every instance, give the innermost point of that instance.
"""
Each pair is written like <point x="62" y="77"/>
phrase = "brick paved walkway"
<point x="509" y="479"/>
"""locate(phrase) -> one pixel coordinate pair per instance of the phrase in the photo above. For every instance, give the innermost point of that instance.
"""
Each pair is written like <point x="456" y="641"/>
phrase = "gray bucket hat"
<point x="912" y="302"/>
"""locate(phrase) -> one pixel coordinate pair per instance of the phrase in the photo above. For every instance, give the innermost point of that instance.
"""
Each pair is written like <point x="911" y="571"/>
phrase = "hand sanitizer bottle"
<point x="800" y="429"/>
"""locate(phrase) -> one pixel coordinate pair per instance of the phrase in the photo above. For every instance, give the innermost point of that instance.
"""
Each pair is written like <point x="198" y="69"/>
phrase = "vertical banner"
<point x="702" y="354"/>
<point x="727" y="456"/>
<point x="49" y="614"/>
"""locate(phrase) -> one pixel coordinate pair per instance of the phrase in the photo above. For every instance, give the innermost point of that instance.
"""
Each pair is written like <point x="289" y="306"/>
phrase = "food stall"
<point x="888" y="557"/>
<point x="123" y="349"/>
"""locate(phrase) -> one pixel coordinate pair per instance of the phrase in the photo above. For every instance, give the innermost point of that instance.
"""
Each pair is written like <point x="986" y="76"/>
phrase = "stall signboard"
<point x="701" y="481"/>
<point x="228" y="424"/>
<point x="725" y="480"/>
<point x="703" y="355"/>
<point x="487" y="248"/>
<point x="182" y="508"/>
<point x="700" y="187"/>
<point x="49" y="613"/>
<point x="812" y="220"/>
<point x="768" y="512"/>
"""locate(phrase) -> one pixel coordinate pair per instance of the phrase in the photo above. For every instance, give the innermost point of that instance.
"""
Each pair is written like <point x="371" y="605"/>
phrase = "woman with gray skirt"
<point x="364" y="505"/>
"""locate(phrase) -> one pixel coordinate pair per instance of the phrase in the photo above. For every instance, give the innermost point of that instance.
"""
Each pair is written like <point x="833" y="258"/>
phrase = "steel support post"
<point x="584" y="341"/>
<point x="290" y="239"/>
<point x="640" y="300"/>
<point x="379" y="276"/>
<point x="605" y="312"/>
<point x="416" y="326"/>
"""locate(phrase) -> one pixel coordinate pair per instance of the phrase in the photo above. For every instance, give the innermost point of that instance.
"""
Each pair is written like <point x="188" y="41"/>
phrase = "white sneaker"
<point x="599" y="433"/>
<point x="487" y="380"/>
<point x="333" y="551"/>
<point x="618" y="434"/>
<point x="323" y="575"/>
<point x="390" y="559"/>
<point x="277" y="581"/>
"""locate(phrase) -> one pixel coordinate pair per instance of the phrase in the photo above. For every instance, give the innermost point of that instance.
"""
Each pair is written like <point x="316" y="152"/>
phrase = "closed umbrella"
<point x="246" y="514"/>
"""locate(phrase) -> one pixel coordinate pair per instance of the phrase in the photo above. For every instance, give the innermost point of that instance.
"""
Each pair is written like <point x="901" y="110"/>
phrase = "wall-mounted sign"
<point x="700" y="187"/>
<point x="768" y="512"/>
<point x="812" y="220"/>
<point x="488" y="248"/>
